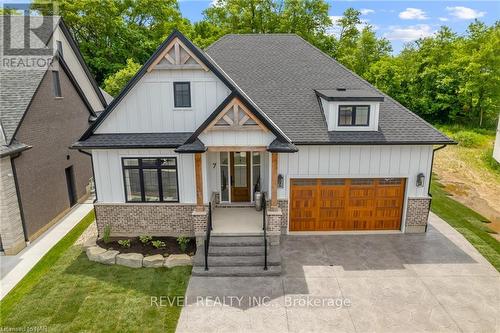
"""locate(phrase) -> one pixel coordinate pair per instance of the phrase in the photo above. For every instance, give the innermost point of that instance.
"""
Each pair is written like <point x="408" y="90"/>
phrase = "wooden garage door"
<point x="346" y="204"/>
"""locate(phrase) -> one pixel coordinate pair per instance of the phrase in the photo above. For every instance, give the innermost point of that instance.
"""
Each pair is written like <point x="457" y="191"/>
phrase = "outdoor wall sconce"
<point x="280" y="181"/>
<point x="420" y="180"/>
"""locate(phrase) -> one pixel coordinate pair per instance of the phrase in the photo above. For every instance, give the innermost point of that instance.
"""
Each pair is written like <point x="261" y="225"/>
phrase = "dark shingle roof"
<point x="341" y="94"/>
<point x="280" y="73"/>
<point x="17" y="86"/>
<point x="133" y="140"/>
<point x="194" y="147"/>
<point x="278" y="146"/>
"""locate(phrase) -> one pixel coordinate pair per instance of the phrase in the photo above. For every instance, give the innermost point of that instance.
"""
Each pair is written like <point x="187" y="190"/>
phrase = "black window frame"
<point x="56" y="84"/>
<point x="59" y="47"/>
<point x="176" y="102"/>
<point x="158" y="167"/>
<point x="353" y="116"/>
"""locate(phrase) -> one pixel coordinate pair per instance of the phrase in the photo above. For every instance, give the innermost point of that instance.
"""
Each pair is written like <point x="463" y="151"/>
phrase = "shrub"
<point x="106" y="234"/>
<point x="124" y="242"/>
<point x="468" y="139"/>
<point x="183" y="242"/>
<point x="158" y="244"/>
<point x="145" y="239"/>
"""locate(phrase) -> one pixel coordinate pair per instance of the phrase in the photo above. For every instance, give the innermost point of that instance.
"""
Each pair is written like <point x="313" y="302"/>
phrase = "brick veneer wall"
<point x="130" y="219"/>
<point x="11" y="227"/>
<point x="283" y="205"/>
<point x="417" y="213"/>
<point x="50" y="126"/>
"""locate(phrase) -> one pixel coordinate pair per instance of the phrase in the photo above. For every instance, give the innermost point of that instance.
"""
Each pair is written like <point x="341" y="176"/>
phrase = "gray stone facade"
<point x="135" y="219"/>
<point x="11" y="227"/>
<point x="417" y="213"/>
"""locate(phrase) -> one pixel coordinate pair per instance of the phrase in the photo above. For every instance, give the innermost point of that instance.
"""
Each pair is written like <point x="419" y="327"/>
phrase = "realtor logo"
<point x="25" y="34"/>
<point x="26" y="40"/>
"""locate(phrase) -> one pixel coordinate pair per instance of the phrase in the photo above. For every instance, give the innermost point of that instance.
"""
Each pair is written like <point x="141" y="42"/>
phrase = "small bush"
<point x="106" y="234"/>
<point x="145" y="239"/>
<point x="158" y="244"/>
<point x="468" y="139"/>
<point x="124" y="242"/>
<point x="183" y="243"/>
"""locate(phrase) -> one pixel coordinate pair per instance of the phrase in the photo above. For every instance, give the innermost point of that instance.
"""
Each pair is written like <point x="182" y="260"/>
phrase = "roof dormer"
<point x="351" y="109"/>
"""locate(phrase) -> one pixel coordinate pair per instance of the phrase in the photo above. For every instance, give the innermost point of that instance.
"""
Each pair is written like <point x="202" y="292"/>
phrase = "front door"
<point x="240" y="176"/>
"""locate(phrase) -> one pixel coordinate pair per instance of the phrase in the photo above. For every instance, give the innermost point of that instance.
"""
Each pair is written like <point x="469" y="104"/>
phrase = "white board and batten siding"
<point x="237" y="138"/>
<point x="358" y="162"/>
<point x="149" y="106"/>
<point x="109" y="175"/>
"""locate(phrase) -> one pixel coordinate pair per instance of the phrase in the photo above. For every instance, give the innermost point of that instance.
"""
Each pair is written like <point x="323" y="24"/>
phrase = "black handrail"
<point x="209" y="231"/>
<point x="264" y="228"/>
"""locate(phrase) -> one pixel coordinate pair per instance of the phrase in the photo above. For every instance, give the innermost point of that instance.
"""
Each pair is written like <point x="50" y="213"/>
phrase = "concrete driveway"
<point x="433" y="282"/>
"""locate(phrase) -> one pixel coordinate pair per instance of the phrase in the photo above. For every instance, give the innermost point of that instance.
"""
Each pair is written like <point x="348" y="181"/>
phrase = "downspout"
<point x="430" y="179"/>
<point x="18" y="193"/>
<point x="432" y="166"/>
<point x="93" y="173"/>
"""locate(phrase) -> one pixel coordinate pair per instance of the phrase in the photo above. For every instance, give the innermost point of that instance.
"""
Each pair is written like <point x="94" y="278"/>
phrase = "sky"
<point x="398" y="21"/>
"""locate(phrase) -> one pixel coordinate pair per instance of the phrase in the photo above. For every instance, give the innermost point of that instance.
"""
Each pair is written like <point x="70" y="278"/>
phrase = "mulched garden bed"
<point x="136" y="246"/>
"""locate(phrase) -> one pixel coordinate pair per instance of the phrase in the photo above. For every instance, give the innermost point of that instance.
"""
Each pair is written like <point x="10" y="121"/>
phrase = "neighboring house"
<point x="257" y="111"/>
<point x="43" y="111"/>
<point x="496" y="149"/>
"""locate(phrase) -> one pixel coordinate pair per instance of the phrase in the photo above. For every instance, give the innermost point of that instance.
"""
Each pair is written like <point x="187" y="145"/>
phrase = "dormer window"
<point x="354" y="115"/>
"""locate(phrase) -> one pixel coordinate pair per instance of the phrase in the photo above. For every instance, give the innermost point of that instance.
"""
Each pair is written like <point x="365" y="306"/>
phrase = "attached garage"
<point x="333" y="204"/>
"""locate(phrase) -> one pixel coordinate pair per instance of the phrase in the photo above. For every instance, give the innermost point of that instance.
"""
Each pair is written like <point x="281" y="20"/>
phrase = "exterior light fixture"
<point x="280" y="181"/>
<point x="420" y="180"/>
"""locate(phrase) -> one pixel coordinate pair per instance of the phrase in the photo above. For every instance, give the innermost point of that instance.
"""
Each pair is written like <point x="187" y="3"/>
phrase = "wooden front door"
<point x="240" y="176"/>
<point x="346" y="204"/>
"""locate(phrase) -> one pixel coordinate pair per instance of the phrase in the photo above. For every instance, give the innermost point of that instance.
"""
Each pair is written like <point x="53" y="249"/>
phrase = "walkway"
<point x="14" y="268"/>
<point x="433" y="282"/>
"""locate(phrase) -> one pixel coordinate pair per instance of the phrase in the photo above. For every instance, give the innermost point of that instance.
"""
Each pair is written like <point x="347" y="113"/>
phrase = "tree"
<point x="307" y="18"/>
<point x="111" y="31"/>
<point x="113" y="84"/>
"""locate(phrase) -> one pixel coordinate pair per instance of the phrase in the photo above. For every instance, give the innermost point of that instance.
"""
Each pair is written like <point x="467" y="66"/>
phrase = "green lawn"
<point x="65" y="292"/>
<point x="469" y="223"/>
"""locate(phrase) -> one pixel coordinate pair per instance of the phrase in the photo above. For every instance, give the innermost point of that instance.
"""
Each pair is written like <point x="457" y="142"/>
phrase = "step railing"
<point x="264" y="227"/>
<point x="207" y="237"/>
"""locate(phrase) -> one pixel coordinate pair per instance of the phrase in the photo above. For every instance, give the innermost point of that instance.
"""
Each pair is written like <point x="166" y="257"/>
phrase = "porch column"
<point x="274" y="181"/>
<point x="199" y="182"/>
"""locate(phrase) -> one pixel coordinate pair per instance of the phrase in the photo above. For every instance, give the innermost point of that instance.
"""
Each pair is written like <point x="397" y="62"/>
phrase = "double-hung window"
<point x="354" y="115"/>
<point x="182" y="95"/>
<point x="150" y="179"/>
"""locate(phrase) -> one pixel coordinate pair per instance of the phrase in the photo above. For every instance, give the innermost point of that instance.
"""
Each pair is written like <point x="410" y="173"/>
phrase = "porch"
<point x="236" y="221"/>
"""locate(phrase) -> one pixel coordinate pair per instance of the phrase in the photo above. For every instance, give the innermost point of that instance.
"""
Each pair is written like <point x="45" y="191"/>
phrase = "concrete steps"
<point x="237" y="256"/>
